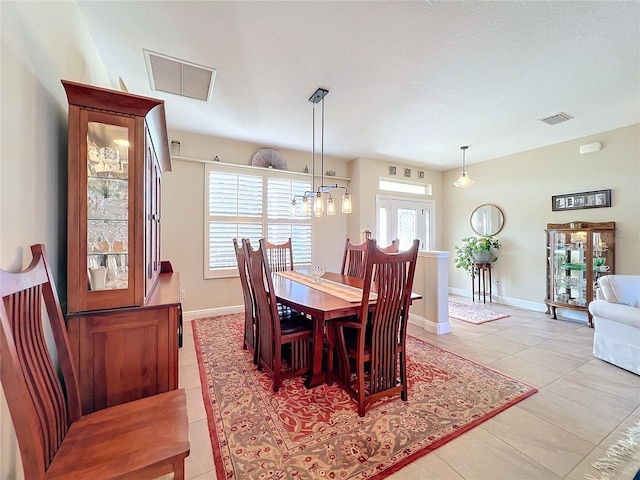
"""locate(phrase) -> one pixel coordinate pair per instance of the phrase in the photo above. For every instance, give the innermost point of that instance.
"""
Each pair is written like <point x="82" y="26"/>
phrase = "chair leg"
<point x="361" y="390"/>
<point x="344" y="365"/>
<point x="256" y="350"/>
<point x="330" y="353"/>
<point x="277" y="365"/>
<point x="403" y="376"/>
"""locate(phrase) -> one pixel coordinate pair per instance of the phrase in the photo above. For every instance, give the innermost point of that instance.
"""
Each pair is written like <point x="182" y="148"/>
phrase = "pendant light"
<point x="313" y="200"/>
<point x="463" y="180"/>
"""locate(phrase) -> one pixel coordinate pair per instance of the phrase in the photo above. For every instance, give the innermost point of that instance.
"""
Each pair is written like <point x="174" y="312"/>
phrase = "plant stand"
<point x="481" y="271"/>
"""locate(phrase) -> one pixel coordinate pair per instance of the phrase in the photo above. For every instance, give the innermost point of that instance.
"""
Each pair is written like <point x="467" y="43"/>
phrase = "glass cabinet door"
<point x="569" y="272"/>
<point x="107" y="206"/>
<point x="602" y="255"/>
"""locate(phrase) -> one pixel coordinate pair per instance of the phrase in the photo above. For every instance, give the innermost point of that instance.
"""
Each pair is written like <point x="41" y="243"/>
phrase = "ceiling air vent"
<point x="556" y="118"/>
<point x="172" y="75"/>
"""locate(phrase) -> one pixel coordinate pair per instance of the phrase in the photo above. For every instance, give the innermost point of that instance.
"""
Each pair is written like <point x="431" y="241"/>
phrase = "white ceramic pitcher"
<point x="98" y="277"/>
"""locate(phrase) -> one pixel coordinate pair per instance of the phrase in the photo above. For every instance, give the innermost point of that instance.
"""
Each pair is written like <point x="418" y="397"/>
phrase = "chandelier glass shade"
<point x="463" y="180"/>
<point x="346" y="202"/>
<point x="331" y="206"/>
<point x="314" y="200"/>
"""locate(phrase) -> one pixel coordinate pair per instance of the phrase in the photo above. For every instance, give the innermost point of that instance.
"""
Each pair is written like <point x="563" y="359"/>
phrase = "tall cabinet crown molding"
<point x="122" y="312"/>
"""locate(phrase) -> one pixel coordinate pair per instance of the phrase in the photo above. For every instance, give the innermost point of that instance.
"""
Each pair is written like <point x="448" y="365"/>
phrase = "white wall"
<point x="522" y="186"/>
<point x="42" y="43"/>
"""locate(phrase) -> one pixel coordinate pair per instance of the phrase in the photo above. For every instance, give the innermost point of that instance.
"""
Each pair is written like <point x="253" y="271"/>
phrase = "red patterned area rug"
<point x="473" y="313"/>
<point x="317" y="433"/>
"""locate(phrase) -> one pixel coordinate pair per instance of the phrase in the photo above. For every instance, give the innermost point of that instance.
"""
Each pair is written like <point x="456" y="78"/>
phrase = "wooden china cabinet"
<point x="122" y="312"/>
<point x="578" y="255"/>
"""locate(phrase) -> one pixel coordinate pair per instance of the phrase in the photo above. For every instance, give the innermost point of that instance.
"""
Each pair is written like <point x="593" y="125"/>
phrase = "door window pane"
<point x="407" y="227"/>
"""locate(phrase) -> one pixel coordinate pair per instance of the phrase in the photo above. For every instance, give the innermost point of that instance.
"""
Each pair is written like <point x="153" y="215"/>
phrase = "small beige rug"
<point x="473" y="313"/>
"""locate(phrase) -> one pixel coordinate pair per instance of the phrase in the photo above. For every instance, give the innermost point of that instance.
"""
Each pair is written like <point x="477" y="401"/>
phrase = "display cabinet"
<point x="578" y="254"/>
<point x="122" y="326"/>
<point x="118" y="150"/>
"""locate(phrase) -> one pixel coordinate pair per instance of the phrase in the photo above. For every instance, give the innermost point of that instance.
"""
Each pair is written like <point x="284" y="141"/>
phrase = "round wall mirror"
<point x="487" y="219"/>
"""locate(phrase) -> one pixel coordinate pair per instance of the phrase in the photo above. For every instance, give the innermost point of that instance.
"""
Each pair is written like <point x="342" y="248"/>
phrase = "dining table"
<point x="334" y="296"/>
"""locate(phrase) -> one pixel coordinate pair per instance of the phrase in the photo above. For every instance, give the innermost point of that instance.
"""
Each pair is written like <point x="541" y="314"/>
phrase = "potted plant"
<point x="475" y="250"/>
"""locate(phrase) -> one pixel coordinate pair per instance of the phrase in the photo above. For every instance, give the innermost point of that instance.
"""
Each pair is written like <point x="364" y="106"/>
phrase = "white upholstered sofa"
<point x="616" y="317"/>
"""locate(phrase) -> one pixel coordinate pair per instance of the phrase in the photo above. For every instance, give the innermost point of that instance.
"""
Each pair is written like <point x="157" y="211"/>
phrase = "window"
<point x="249" y="203"/>
<point x="404" y="186"/>
<point x="406" y="220"/>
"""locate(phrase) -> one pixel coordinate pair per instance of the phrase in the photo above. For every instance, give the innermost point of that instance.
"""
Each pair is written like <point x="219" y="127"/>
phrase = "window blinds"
<point x="247" y="204"/>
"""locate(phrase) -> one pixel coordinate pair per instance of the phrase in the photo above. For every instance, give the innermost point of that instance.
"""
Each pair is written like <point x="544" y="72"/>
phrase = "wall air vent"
<point x="556" y="118"/>
<point x="172" y="75"/>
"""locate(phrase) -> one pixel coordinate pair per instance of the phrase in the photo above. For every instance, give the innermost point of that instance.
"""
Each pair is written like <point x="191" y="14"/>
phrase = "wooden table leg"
<point x="316" y="376"/>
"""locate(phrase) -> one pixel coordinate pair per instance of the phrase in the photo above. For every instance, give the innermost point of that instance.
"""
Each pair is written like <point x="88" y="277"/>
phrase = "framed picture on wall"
<point x="578" y="201"/>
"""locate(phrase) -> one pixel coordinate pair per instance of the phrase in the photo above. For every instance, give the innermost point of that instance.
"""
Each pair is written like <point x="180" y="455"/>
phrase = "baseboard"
<point x="431" y="327"/>
<point x="512" y="302"/>
<point x="211" y="312"/>
<point x="437" y="328"/>
<point x="416" y="320"/>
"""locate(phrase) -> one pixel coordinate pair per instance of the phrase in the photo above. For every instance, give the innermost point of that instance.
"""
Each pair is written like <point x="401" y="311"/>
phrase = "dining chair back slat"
<point x="275" y="329"/>
<point x="378" y="334"/>
<point x="250" y="332"/>
<point x="280" y="256"/>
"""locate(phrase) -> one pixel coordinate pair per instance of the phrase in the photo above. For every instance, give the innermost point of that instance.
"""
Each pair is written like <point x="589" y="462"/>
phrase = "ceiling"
<point x="409" y="81"/>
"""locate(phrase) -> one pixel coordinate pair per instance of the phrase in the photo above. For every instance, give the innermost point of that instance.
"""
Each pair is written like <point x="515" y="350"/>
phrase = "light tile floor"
<point x="582" y="407"/>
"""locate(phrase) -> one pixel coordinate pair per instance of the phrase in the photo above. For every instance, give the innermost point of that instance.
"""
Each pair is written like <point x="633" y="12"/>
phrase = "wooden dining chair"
<point x="250" y="341"/>
<point x="353" y="259"/>
<point x="146" y="438"/>
<point x="372" y="360"/>
<point x="393" y="248"/>
<point x="281" y="335"/>
<point x="279" y="255"/>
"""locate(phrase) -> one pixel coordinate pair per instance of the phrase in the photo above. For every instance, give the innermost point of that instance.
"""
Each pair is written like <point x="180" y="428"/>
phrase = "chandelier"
<point x="463" y="180"/>
<point x="314" y="199"/>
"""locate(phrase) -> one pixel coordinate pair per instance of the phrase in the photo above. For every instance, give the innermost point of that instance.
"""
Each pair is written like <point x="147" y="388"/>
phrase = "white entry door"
<point x="406" y="220"/>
